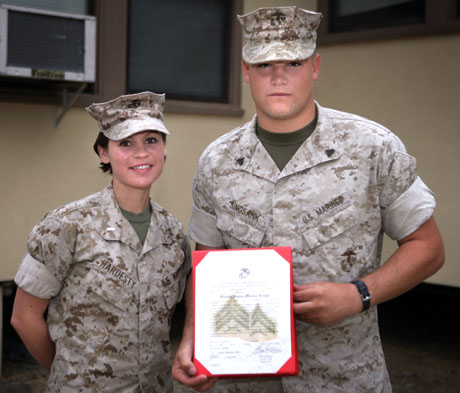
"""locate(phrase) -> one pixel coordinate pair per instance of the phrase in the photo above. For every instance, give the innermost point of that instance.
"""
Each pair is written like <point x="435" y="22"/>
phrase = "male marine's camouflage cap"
<point x="129" y="114"/>
<point x="279" y="34"/>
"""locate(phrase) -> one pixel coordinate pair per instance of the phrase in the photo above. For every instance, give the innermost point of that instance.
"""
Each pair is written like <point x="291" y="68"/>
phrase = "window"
<point x="180" y="47"/>
<point x="350" y="20"/>
<point x="354" y="15"/>
<point x="133" y="55"/>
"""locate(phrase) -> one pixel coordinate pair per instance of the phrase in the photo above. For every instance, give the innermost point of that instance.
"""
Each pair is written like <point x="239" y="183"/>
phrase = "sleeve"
<point x="203" y="221"/>
<point x="48" y="259"/>
<point x="405" y="201"/>
<point x="186" y="266"/>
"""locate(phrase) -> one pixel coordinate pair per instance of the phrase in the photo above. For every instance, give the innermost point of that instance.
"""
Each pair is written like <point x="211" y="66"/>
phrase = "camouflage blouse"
<point x="350" y="182"/>
<point x="111" y="298"/>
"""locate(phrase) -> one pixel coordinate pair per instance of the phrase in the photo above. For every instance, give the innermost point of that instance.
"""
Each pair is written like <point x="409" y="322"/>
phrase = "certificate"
<point x="243" y="316"/>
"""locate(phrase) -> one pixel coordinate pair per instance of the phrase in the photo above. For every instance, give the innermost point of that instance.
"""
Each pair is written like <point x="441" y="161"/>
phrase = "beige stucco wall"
<point x="411" y="86"/>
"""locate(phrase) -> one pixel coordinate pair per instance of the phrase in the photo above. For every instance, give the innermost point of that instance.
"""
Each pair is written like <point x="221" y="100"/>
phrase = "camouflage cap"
<point x="129" y="114"/>
<point x="279" y="34"/>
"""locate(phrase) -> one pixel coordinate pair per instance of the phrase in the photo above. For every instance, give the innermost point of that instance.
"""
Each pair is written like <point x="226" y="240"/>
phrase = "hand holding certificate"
<point x="243" y="318"/>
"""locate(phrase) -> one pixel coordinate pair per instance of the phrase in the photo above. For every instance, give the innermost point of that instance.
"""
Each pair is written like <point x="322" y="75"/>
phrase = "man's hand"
<point x="419" y="256"/>
<point x="184" y="370"/>
<point x="326" y="303"/>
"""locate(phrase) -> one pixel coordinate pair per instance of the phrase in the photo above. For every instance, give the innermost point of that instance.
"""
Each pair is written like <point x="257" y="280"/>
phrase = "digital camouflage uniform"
<point x="111" y="298"/>
<point x="350" y="182"/>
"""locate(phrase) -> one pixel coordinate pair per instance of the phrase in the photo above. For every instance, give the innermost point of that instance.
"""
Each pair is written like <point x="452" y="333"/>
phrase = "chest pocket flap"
<point x="115" y="290"/>
<point x="173" y="288"/>
<point x="330" y="226"/>
<point x="241" y="230"/>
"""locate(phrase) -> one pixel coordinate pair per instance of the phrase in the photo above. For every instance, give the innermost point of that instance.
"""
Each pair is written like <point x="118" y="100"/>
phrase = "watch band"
<point x="364" y="292"/>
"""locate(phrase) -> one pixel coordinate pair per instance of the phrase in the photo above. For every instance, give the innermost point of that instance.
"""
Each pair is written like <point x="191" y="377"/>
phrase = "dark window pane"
<point x="179" y="47"/>
<point x="358" y="15"/>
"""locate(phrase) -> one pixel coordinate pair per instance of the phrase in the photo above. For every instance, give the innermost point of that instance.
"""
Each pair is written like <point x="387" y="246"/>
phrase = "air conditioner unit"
<point x="47" y="45"/>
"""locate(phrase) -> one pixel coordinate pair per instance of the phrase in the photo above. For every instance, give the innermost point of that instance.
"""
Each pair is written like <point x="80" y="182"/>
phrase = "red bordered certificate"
<point x="243" y="313"/>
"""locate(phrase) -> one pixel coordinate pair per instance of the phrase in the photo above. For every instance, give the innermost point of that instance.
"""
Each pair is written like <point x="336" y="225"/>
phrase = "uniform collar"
<point x="320" y="147"/>
<point x="252" y="157"/>
<point x="115" y="227"/>
<point x="159" y="232"/>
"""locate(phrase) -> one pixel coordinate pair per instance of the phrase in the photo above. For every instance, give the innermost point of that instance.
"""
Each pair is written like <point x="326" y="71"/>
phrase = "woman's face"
<point x="136" y="161"/>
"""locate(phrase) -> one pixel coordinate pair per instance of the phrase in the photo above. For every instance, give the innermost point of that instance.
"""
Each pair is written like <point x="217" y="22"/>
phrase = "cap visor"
<point x="133" y="126"/>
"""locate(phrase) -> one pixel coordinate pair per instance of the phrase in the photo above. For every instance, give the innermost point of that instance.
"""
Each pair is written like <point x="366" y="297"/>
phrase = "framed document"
<point x="243" y="313"/>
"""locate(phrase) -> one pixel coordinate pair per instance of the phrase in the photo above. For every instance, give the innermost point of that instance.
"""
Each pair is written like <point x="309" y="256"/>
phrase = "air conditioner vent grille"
<point x="45" y="42"/>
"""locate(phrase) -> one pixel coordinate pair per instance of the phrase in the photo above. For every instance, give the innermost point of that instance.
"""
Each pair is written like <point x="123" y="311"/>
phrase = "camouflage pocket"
<point x="238" y="233"/>
<point x="110" y="287"/>
<point x="172" y="287"/>
<point x="330" y="226"/>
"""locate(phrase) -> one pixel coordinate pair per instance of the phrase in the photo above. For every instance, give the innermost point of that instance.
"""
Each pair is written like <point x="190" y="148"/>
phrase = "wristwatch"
<point x="364" y="292"/>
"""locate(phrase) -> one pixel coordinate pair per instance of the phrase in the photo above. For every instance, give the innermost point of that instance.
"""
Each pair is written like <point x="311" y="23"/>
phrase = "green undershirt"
<point x="282" y="146"/>
<point x="139" y="221"/>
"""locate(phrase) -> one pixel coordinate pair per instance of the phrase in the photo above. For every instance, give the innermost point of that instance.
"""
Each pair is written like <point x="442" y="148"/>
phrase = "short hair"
<point x="103" y="142"/>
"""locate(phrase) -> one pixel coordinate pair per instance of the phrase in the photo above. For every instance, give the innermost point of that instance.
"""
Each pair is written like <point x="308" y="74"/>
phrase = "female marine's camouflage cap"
<point x="129" y="114"/>
<point x="279" y="34"/>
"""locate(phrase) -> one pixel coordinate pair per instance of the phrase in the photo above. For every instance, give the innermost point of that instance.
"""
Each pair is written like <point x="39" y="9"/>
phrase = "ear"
<point x="316" y="62"/>
<point x="245" y="68"/>
<point x="103" y="154"/>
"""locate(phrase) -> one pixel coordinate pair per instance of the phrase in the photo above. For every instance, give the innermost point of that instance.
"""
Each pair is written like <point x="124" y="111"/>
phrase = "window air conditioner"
<point x="47" y="45"/>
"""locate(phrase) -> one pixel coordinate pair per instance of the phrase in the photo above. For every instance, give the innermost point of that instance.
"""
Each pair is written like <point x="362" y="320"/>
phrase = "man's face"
<point x="283" y="91"/>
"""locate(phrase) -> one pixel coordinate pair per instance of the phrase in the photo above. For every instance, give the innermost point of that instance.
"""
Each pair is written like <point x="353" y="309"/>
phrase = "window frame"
<point x="441" y="17"/>
<point x="111" y="68"/>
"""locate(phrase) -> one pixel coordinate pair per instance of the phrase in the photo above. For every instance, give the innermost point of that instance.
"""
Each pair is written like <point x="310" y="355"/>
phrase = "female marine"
<point x="108" y="269"/>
